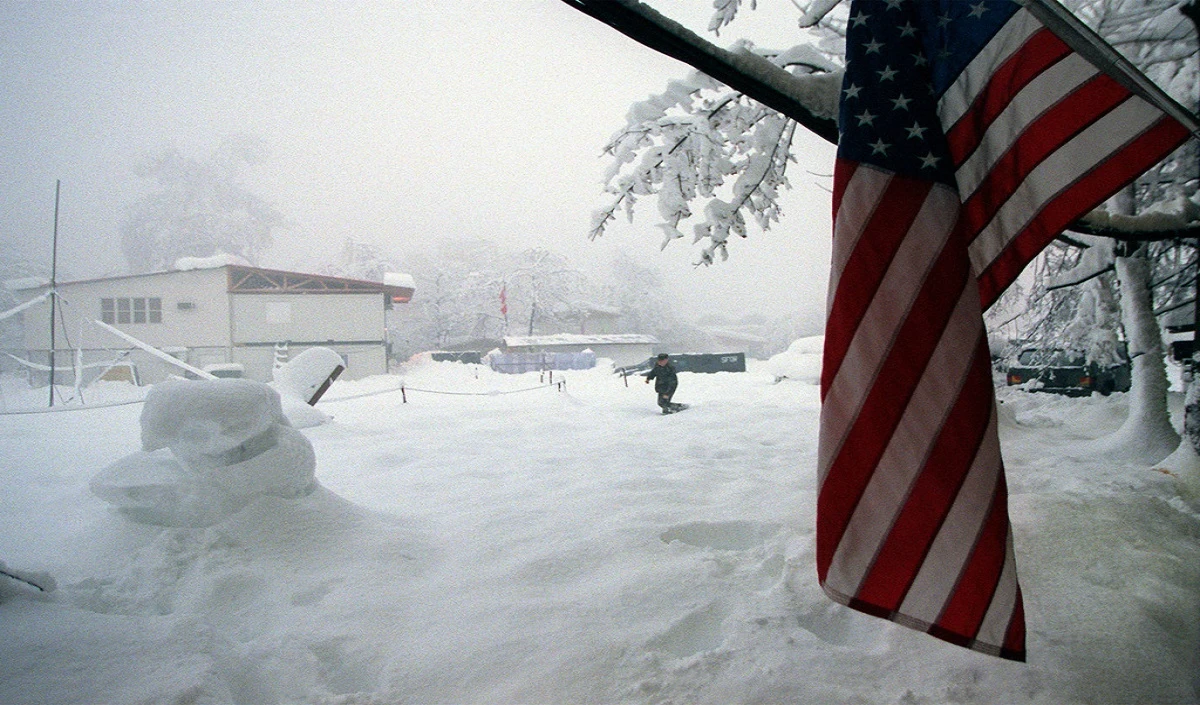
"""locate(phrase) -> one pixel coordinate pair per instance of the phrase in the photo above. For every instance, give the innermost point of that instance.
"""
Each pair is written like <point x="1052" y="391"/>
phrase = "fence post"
<point x="403" y="394"/>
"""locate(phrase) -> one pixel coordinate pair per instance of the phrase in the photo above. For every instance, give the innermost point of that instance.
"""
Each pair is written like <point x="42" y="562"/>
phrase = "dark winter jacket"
<point x="665" y="380"/>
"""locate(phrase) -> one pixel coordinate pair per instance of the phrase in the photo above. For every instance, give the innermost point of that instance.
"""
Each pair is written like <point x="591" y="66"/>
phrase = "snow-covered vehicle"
<point x="1066" y="371"/>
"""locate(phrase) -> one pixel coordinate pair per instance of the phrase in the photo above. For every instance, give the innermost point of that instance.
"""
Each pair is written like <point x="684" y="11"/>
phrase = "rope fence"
<point x="560" y="385"/>
<point x="80" y="407"/>
<point x="404" y="389"/>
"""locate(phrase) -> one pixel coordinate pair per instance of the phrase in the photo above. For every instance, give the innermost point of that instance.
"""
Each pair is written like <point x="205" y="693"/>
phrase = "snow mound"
<point x="13" y="581"/>
<point x="308" y="373"/>
<point x="801" y="361"/>
<point x="209" y="447"/>
<point x="301" y="381"/>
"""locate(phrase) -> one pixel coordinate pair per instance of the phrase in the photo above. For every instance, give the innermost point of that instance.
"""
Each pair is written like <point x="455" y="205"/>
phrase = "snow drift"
<point x="209" y="448"/>
<point x="494" y="540"/>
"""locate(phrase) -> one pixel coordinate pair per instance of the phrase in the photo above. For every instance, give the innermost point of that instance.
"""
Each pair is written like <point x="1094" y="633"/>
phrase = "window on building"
<point x="131" y="310"/>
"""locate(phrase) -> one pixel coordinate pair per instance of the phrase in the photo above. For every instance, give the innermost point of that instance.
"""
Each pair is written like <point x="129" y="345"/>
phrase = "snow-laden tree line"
<point x="200" y="207"/>
<point x="471" y="293"/>
<point x="714" y="159"/>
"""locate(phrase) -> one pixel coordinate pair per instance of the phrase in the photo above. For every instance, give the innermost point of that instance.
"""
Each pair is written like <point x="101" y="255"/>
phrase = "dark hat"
<point x="662" y="356"/>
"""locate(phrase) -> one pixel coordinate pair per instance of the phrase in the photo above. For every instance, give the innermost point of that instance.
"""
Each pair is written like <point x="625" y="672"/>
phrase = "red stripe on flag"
<point x="859" y="455"/>
<point x="1040" y="52"/>
<point x="935" y="491"/>
<point x="882" y="236"/>
<point x="933" y="518"/>
<point x="1014" y="639"/>
<point x="1042" y="137"/>
<point x="973" y="594"/>
<point x="842" y="173"/>
<point x="1095" y="186"/>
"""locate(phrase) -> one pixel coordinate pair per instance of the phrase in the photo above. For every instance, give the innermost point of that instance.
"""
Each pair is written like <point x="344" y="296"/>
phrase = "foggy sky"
<point x="396" y="123"/>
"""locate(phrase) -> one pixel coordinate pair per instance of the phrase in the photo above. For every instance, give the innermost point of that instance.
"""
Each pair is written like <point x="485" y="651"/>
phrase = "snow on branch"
<point x="762" y="81"/>
<point x="700" y="146"/>
<point x="1096" y="259"/>
<point x="816" y="11"/>
<point x="1177" y="218"/>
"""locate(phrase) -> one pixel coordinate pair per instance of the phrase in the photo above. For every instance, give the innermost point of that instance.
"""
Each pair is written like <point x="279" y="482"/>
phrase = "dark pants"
<point x="664" y="398"/>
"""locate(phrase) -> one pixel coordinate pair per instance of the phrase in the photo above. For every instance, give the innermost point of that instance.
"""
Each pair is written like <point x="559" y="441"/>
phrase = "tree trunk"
<point x="1147" y="435"/>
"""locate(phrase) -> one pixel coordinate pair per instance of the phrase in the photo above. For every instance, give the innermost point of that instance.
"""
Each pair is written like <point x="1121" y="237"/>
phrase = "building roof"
<point x="734" y="335"/>
<point x="255" y="280"/>
<point x="560" y="339"/>
<point x="244" y="279"/>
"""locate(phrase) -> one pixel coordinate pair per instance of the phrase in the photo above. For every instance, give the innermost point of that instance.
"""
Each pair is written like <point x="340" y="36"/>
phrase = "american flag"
<point x="971" y="136"/>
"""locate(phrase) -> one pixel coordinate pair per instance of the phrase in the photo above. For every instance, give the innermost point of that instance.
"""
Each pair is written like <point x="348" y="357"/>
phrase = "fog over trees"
<point x="199" y="208"/>
<point x="705" y="164"/>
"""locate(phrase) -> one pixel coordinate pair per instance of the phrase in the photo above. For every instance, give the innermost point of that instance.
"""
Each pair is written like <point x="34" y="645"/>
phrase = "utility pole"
<point x="53" y="277"/>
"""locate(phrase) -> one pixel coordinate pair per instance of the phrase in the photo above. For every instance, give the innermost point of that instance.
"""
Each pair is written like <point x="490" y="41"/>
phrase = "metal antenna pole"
<point x="53" y="292"/>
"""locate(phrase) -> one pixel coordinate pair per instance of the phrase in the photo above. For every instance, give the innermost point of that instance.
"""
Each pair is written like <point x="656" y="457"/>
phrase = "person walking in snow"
<point x="665" y="382"/>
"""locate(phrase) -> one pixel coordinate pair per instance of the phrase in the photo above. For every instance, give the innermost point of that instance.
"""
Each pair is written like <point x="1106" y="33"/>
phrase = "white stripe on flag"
<point x="956" y="539"/>
<point x="1076" y="158"/>
<point x="909" y="446"/>
<point x="1041" y="94"/>
<point x="959" y="97"/>
<point x="866" y="186"/>
<point x="885" y="314"/>
<point x="995" y="623"/>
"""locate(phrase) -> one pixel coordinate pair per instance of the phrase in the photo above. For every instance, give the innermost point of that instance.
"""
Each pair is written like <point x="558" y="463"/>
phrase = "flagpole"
<point x="53" y="277"/>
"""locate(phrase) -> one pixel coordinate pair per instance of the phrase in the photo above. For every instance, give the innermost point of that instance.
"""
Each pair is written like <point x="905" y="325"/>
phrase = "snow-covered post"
<point x="1191" y="400"/>
<point x="1147" y="434"/>
<point x="1191" y="404"/>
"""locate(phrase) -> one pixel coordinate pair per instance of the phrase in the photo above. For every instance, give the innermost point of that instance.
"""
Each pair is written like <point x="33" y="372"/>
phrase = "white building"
<point x="621" y="348"/>
<point x="222" y="315"/>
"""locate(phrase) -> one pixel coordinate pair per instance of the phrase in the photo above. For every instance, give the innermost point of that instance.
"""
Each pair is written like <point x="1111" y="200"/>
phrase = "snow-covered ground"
<point x="516" y="542"/>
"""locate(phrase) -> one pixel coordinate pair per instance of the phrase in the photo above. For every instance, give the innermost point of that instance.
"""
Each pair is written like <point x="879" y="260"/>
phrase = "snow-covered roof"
<point x="594" y="308"/>
<point x="399" y="279"/>
<point x="258" y="279"/>
<point x="734" y="335"/>
<point x="184" y="264"/>
<point x="24" y="283"/>
<point x="544" y="341"/>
